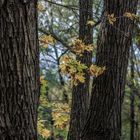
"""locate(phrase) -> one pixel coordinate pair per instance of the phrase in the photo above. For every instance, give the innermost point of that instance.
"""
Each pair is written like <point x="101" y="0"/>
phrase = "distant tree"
<point x="19" y="70"/>
<point x="132" y="97"/>
<point x="114" y="40"/>
<point x="80" y="93"/>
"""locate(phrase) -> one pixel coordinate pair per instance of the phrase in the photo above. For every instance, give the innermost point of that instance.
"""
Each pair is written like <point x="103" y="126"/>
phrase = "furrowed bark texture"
<point x="104" y="117"/>
<point x="19" y="70"/>
<point x="132" y="97"/>
<point x="80" y="93"/>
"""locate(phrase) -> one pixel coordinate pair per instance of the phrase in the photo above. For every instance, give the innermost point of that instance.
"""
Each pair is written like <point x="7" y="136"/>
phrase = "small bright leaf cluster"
<point x="130" y="15"/>
<point x="96" y="70"/>
<point x="40" y="7"/>
<point x="112" y="18"/>
<point x="73" y="69"/>
<point x="90" y="23"/>
<point x="43" y="102"/>
<point x="46" y="40"/>
<point x="78" y="47"/>
<point x="45" y="133"/>
<point x="42" y="80"/>
<point x="60" y="115"/>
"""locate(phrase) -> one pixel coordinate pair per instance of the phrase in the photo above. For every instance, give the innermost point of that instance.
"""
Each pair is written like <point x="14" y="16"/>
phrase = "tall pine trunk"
<point x="104" y="117"/>
<point x="19" y="70"/>
<point x="80" y="93"/>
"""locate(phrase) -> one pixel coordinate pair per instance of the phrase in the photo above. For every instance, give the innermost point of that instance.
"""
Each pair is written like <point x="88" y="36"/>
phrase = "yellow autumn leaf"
<point x="60" y="115"/>
<point x="111" y="18"/>
<point x="79" y="47"/>
<point x="40" y="7"/>
<point x="46" y="40"/>
<point x="77" y="78"/>
<point x="130" y="15"/>
<point x="42" y="77"/>
<point x="89" y="48"/>
<point x="73" y="69"/>
<point x="65" y="58"/>
<point x="45" y="133"/>
<point x="96" y="70"/>
<point x="43" y="101"/>
<point x="90" y="23"/>
<point x="80" y="77"/>
<point x="63" y="68"/>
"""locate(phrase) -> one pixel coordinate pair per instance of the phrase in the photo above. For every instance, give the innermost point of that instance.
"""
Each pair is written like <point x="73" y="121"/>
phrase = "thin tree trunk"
<point x="104" y="117"/>
<point x="80" y="93"/>
<point x="62" y="82"/>
<point x="132" y="99"/>
<point x="19" y="70"/>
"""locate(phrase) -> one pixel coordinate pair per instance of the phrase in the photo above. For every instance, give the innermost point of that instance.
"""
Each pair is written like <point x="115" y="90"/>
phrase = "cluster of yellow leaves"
<point x="111" y="18"/>
<point x="43" y="82"/>
<point x="76" y="70"/>
<point x="43" y="101"/>
<point x="46" y="40"/>
<point x="130" y="15"/>
<point x="40" y="7"/>
<point x="60" y="115"/>
<point x="96" y="70"/>
<point x="90" y="23"/>
<point x="79" y="47"/>
<point x="73" y="69"/>
<point x="45" y="133"/>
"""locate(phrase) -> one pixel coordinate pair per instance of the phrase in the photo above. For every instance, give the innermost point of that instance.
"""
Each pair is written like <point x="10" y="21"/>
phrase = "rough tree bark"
<point x="132" y="97"/>
<point x="80" y="93"/>
<point x="19" y="70"/>
<point x="104" y="117"/>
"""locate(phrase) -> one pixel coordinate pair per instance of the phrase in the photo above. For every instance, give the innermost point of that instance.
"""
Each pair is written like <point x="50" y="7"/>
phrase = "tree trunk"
<point x="132" y="98"/>
<point x="19" y="70"/>
<point x="104" y="117"/>
<point x="80" y="93"/>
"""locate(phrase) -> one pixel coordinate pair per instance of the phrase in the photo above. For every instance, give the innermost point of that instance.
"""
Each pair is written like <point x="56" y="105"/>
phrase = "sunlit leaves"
<point x="76" y="70"/>
<point x="60" y="115"/>
<point x="40" y="7"/>
<point x="78" y="77"/>
<point x="111" y="18"/>
<point x="45" y="133"/>
<point x="78" y="47"/>
<point x="43" y="102"/>
<point x="90" y="23"/>
<point x="96" y="71"/>
<point x="42" y="80"/>
<point x="130" y="15"/>
<point x="73" y="69"/>
<point x="46" y="40"/>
